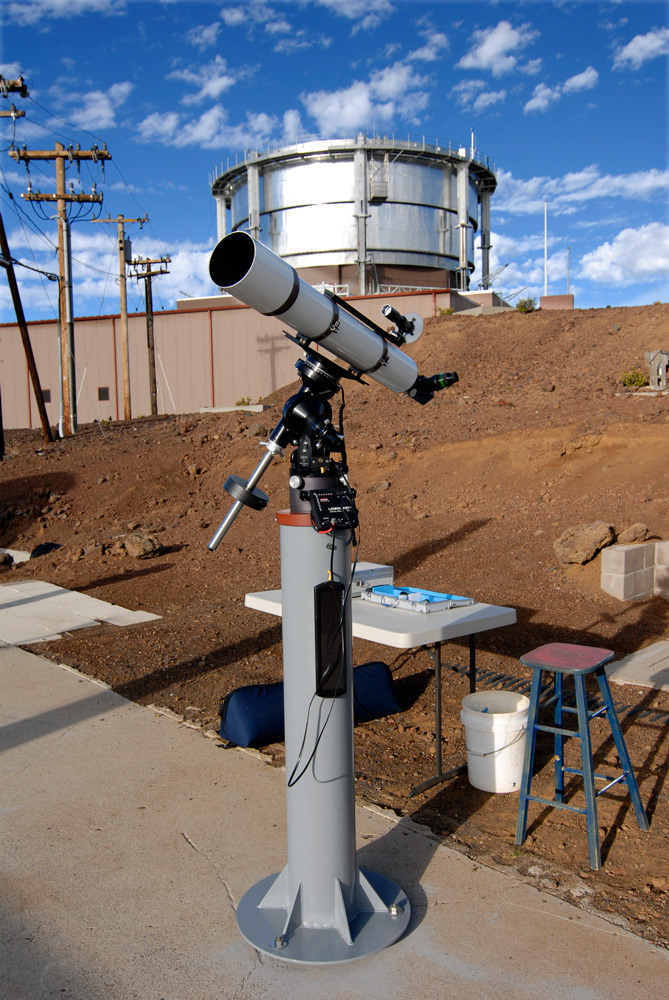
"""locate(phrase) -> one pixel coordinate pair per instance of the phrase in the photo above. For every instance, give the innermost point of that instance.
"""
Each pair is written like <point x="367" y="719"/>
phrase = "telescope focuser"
<point x="425" y="386"/>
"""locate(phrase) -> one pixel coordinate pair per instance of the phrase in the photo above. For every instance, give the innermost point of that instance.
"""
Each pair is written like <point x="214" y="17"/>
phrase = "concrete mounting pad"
<point x="648" y="667"/>
<point x="129" y="839"/>
<point x="33" y="611"/>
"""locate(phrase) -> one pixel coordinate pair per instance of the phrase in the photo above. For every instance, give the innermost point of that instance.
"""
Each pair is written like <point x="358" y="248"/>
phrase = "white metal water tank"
<point x="366" y="214"/>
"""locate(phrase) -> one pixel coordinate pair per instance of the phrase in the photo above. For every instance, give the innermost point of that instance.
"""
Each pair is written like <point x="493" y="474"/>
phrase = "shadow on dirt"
<point x="123" y="577"/>
<point x="22" y="501"/>
<point x="414" y="557"/>
<point x="527" y="634"/>
<point x="141" y="688"/>
<point x="408" y="690"/>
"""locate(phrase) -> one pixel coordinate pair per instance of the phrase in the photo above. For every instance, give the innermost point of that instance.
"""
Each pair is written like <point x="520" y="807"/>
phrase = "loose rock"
<point x="142" y="546"/>
<point x="635" y="533"/>
<point x="582" y="542"/>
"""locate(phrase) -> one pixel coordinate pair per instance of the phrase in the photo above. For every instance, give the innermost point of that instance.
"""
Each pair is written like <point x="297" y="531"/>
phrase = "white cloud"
<point x="586" y="80"/>
<point x="260" y="15"/>
<point x="436" y="43"/>
<point x="466" y="90"/>
<point x="234" y="16"/>
<point x="642" y="48"/>
<point x="507" y="246"/>
<point x="472" y="95"/>
<point x="280" y="27"/>
<point x="99" y="107"/>
<point x="292" y="126"/>
<point x="367" y="13"/>
<point x="203" y="36"/>
<point x="388" y="92"/>
<point x="544" y="96"/>
<point x="634" y="255"/>
<point x="300" y="40"/>
<point x="254" y="14"/>
<point x="488" y="100"/>
<point x="159" y="127"/>
<point x="566" y="193"/>
<point x="34" y="11"/>
<point x="493" y="48"/>
<point x="531" y="67"/>
<point x="212" y="79"/>
<point x="210" y="131"/>
<point x="14" y="178"/>
<point x="349" y="108"/>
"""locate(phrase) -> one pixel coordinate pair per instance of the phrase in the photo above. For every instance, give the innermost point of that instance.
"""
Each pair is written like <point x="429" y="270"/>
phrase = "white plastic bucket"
<point x="495" y="723"/>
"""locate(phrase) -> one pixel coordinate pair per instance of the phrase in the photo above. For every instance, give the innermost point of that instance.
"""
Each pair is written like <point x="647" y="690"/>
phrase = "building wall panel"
<point x="204" y="357"/>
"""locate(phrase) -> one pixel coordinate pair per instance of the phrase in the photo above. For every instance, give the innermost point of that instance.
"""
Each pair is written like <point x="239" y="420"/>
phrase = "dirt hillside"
<point x="467" y="494"/>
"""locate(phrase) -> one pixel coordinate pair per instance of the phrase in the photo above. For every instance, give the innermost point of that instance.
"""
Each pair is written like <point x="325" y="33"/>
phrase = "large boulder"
<point x="582" y="542"/>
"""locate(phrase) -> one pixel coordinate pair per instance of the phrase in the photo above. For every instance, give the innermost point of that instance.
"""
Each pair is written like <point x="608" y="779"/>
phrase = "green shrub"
<point x="527" y="305"/>
<point x="445" y="312"/>
<point x="633" y="379"/>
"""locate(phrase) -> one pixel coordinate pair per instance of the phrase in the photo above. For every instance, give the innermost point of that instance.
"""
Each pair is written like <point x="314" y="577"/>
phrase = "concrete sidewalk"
<point x="128" y="839"/>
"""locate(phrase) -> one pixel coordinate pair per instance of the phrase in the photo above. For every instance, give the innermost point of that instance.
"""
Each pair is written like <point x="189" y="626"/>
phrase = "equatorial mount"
<point x="306" y="423"/>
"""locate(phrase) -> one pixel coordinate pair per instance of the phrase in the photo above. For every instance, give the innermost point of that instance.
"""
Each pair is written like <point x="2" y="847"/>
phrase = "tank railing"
<point x="404" y="289"/>
<point x="383" y="141"/>
<point x="329" y="286"/>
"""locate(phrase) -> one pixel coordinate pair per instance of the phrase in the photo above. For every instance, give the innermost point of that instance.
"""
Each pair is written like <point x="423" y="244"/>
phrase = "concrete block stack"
<point x="662" y="569"/>
<point x="628" y="571"/>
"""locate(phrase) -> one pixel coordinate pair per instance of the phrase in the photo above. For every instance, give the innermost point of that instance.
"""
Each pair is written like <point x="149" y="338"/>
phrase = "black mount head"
<point x="308" y="414"/>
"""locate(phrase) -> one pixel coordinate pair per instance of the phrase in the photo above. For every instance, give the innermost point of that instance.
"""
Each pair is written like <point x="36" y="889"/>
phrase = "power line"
<point x="70" y="125"/>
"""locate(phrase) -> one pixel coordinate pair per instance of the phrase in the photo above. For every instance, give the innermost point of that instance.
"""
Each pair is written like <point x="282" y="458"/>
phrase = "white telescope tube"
<point x="250" y="271"/>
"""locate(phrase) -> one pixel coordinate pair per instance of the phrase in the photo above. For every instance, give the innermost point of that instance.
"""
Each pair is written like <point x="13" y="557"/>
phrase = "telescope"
<point x="321" y="908"/>
<point x="254" y="274"/>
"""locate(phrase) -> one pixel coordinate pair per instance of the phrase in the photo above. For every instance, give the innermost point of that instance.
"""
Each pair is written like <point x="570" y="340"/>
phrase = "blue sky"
<point x="569" y="99"/>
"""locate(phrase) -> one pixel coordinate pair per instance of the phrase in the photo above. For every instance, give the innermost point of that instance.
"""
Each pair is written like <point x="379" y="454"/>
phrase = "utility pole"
<point x="7" y="262"/>
<point x="13" y="87"/>
<point x="147" y="274"/>
<point x="73" y="155"/>
<point x="124" y="257"/>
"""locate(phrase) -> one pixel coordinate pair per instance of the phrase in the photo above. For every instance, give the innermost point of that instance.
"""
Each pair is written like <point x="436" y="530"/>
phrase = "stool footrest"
<point x="555" y="804"/>
<point x="592" y="713"/>
<point x="612" y="782"/>
<point x="556" y="729"/>
<point x="602" y="777"/>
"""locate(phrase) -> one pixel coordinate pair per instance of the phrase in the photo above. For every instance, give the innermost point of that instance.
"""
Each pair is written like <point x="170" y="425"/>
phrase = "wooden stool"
<point x="577" y="661"/>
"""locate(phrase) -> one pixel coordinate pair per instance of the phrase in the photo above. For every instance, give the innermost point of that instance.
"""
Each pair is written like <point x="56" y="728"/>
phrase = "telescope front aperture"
<point x="232" y="259"/>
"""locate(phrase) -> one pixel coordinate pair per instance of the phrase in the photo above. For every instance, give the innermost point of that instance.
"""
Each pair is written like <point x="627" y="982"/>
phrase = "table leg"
<point x="472" y="664"/>
<point x="435" y="655"/>
<point x="436" y="659"/>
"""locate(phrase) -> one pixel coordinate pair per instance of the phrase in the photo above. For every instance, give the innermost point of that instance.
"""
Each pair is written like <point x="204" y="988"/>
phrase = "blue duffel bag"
<point x="252" y="716"/>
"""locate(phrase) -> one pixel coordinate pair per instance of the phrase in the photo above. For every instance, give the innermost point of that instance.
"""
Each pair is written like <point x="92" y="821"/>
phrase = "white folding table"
<point x="410" y="629"/>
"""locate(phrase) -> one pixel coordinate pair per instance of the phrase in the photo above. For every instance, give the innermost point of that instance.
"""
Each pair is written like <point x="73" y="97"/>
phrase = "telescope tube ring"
<point x="295" y="291"/>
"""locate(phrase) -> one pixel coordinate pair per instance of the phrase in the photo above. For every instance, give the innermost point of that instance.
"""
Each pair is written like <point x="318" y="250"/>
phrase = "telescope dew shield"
<point x="254" y="274"/>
